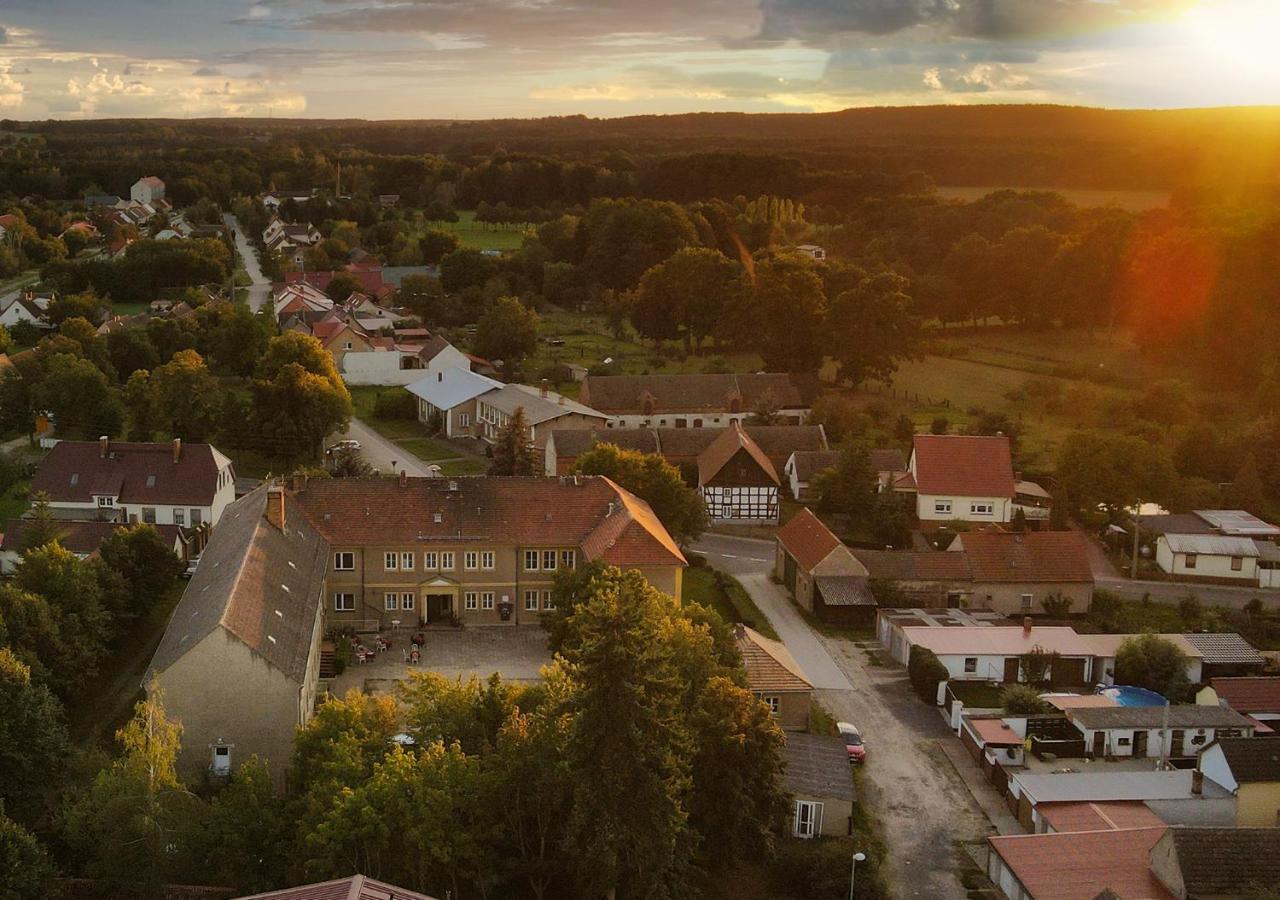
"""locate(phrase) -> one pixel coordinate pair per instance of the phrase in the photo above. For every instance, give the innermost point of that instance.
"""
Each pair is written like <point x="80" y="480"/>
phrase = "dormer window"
<point x="75" y="478"/>
<point x="151" y="481"/>
<point x="106" y="502"/>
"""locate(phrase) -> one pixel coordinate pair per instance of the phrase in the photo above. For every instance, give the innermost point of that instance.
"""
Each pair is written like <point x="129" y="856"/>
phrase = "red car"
<point x="852" y="742"/>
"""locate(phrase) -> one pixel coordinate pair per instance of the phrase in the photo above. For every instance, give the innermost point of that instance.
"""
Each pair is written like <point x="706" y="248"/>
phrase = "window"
<point x="390" y="601"/>
<point x="149" y="515"/>
<point x="344" y="561"/>
<point x="486" y="559"/>
<point x="1123" y="742"/>
<point x="151" y="481"/>
<point x="942" y="507"/>
<point x="548" y="560"/>
<point x="179" y="517"/>
<point x="971" y="664"/>
<point x="531" y="560"/>
<point x="347" y="345"/>
<point x="429" y="560"/>
<point x="406" y="601"/>
<point x="1027" y="601"/>
<point x="773" y="701"/>
<point x="221" y="760"/>
<point x="568" y="558"/>
<point x="344" y="602"/>
<point x="486" y="600"/>
<point x="464" y="419"/>
<point x="548" y="603"/>
<point x="446" y="559"/>
<point x="471" y="599"/>
<point x="531" y="601"/>
<point x="1191" y="560"/>
<point x="808" y="819"/>
<point x="196" y="517"/>
<point x="107" y="501"/>
<point x="981" y="509"/>
<point x="470" y="560"/>
<point x="1237" y="563"/>
<point x="407" y="561"/>
<point x="390" y="562"/>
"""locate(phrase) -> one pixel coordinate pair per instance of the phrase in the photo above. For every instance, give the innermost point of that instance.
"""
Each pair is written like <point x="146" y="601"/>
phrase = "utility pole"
<point x="1137" y="526"/>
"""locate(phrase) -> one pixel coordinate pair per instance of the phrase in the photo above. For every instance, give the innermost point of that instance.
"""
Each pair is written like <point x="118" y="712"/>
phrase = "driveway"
<point x="382" y="454"/>
<point x="923" y="806"/>
<point x="260" y="289"/>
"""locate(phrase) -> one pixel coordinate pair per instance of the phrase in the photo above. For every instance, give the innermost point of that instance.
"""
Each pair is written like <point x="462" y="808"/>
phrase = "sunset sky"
<point x="485" y="58"/>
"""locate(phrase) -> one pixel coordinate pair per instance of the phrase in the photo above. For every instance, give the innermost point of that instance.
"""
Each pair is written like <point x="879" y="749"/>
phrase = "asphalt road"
<point x="381" y="453"/>
<point x="260" y="290"/>
<point x="911" y="786"/>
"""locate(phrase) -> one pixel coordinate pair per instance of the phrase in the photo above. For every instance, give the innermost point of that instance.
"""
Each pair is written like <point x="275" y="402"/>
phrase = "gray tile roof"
<point x="845" y="590"/>
<point x="1252" y="759"/>
<point x="1226" y="862"/>
<point x="1185" y="716"/>
<point x="258" y="583"/>
<point x="818" y="766"/>
<point x="1225" y="649"/>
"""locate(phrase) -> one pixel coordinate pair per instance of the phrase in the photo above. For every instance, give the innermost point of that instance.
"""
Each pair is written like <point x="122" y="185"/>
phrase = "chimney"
<point x="543" y="389"/>
<point x="104" y="443"/>
<point x="1026" y="625"/>
<point x="404" y="478"/>
<point x="177" y="449"/>
<point x="299" y="482"/>
<point x="1197" y="782"/>
<point x="275" y="506"/>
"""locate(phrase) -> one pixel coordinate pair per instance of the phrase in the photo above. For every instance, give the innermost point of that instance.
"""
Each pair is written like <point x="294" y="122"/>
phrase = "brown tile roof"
<point x="1226" y="862"/>
<point x="80" y="537"/>
<point x="1252" y="759"/>
<point x="1081" y="865"/>
<point x="1249" y="694"/>
<point x="73" y="470"/>
<point x="357" y="887"/>
<point x="1046" y="556"/>
<point x="1103" y="815"/>
<point x="725" y="447"/>
<point x="807" y="539"/>
<point x="258" y="583"/>
<point x="844" y="590"/>
<point x="365" y="512"/>
<point x="915" y="565"/>
<point x="707" y="393"/>
<point x="810" y="462"/>
<point x="994" y="731"/>
<point x="571" y="443"/>
<point x="769" y="664"/>
<point x="961" y="465"/>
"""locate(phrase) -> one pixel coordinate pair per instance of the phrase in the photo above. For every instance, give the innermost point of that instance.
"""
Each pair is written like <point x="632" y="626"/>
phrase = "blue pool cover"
<point x="1128" y="695"/>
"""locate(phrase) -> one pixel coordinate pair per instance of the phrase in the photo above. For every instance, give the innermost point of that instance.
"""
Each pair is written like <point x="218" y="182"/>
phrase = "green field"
<point x="1133" y="201"/>
<point x="480" y="236"/>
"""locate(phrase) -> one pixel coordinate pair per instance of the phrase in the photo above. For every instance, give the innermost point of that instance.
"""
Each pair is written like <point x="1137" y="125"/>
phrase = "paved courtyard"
<point x="515" y="653"/>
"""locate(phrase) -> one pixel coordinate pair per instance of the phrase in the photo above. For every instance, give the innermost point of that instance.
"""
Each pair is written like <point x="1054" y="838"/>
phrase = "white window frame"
<point x="390" y="561"/>
<point x="446" y="560"/>
<point x="942" y="507"/>
<point x="773" y="701"/>
<point x="982" y="509"/>
<point x="471" y="560"/>
<point x="548" y="601"/>
<point x="530" y="601"/>
<point x="971" y="665"/>
<point x="346" y="556"/>
<point x="548" y="560"/>
<point x="390" y="601"/>
<point x="487" y="560"/>
<point x="531" y="560"/>
<point x="429" y="560"/>
<point x="471" y="600"/>
<point x="1028" y="602"/>
<point x="408" y="561"/>
<point x="807" y="821"/>
<point x="407" y="601"/>
<point x="464" y="420"/>
<point x="344" y="601"/>
<point x="486" y="600"/>
<point x="179" y="517"/>
<point x="106" y="501"/>
<point x="569" y="558"/>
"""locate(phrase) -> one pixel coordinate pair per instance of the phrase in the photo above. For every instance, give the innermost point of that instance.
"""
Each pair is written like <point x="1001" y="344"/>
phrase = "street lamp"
<point x="853" y="868"/>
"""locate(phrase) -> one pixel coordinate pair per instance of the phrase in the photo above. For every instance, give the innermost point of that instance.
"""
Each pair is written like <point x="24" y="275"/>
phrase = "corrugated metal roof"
<point x="1211" y="544"/>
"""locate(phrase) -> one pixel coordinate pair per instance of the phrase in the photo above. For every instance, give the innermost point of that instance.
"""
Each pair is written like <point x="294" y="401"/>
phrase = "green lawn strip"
<point x="428" y="450"/>
<point x="130" y="309"/>
<point x="467" y="465"/>
<point x="726" y="596"/>
<point x="978" y="694"/>
<point x="479" y="236"/>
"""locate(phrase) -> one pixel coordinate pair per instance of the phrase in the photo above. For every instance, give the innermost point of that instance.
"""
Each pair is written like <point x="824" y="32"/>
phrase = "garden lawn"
<point x="412" y="435"/>
<point x="480" y="236"/>
<point x="733" y="604"/>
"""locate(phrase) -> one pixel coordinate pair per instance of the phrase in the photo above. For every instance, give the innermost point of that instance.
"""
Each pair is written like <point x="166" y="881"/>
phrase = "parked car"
<point x="852" y="742"/>
<point x="350" y="445"/>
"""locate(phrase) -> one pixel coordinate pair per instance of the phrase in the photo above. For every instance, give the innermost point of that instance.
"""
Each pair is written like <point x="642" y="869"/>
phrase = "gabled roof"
<point x="725" y="447"/>
<point x="817" y="766"/>
<point x="1034" y="556"/>
<point x="695" y="393"/>
<point x="1249" y="694"/>
<point x="1081" y="865"/>
<point x="1226" y="862"/>
<point x="844" y="590"/>
<point x="1175" y="716"/>
<point x="1211" y="544"/>
<point x="449" y="387"/>
<point x="80" y="537"/>
<point x="778" y="442"/>
<point x="769" y="664"/>
<point x="1252" y="760"/>
<point x="537" y="408"/>
<point x="807" y="463"/>
<point x="915" y="565"/>
<point x="260" y="584"/>
<point x="1225" y="649"/>
<point x="807" y="539"/>
<point x="133" y="472"/>
<point x="962" y="465"/>
<point x="357" y="887"/>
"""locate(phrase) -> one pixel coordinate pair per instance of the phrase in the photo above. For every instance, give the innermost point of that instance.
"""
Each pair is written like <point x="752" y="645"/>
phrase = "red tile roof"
<point x="1248" y="695"/>
<point x="1081" y="865"/>
<point x="994" y="731"/>
<point x="595" y="514"/>
<point x="807" y="539"/>
<point x="1104" y="815"/>
<point x="134" y="472"/>
<point x="961" y="465"/>
<point x="1043" y="556"/>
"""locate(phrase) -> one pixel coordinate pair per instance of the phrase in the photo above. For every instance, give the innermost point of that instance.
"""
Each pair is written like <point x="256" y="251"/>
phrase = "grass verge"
<point x="726" y="595"/>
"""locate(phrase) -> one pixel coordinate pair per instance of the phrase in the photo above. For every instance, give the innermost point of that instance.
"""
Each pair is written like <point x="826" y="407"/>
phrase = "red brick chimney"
<point x="1197" y="782"/>
<point x="404" y="478"/>
<point x="275" y="506"/>
<point x="177" y="449"/>
<point x="543" y="388"/>
<point x="1026" y="625"/>
<point x="104" y="443"/>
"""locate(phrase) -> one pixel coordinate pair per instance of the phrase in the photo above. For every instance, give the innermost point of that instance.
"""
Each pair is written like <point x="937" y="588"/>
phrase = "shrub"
<point x="1104" y="611"/>
<point x="926" y="671"/>
<point x="940" y="425"/>
<point x="397" y="404"/>
<point x="1022" y="700"/>
<point x="556" y="373"/>
<point x="819" y="870"/>
<point x="1057" y="606"/>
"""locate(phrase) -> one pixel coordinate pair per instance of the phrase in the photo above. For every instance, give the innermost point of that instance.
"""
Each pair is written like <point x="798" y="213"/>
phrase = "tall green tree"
<point x="41" y="526"/>
<point x="33" y="739"/>
<point x="184" y="397"/>
<point x="145" y="561"/>
<point x="789" y="310"/>
<point x="83" y="401"/>
<point x="245" y="834"/>
<point x="1156" y="664"/>
<point x="25" y="868"/>
<point x="1111" y="472"/>
<point x="872" y="327"/>
<point x="688" y="294"/>
<point x="651" y="478"/>
<point x="513" y="454"/>
<point x="71" y="589"/>
<point x="508" y="331"/>
<point x="1247" y="491"/>
<point x="298" y="397"/>
<point x="849" y="487"/>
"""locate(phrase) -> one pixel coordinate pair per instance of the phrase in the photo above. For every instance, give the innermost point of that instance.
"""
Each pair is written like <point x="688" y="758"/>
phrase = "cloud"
<point x="11" y="91"/>
<point x="139" y="69"/>
<point x="205" y="71"/>
<point x="4" y="35"/>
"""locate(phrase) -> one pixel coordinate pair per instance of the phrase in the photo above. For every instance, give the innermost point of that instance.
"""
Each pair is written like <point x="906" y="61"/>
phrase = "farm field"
<point x="479" y="236"/>
<point x="1132" y="201"/>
